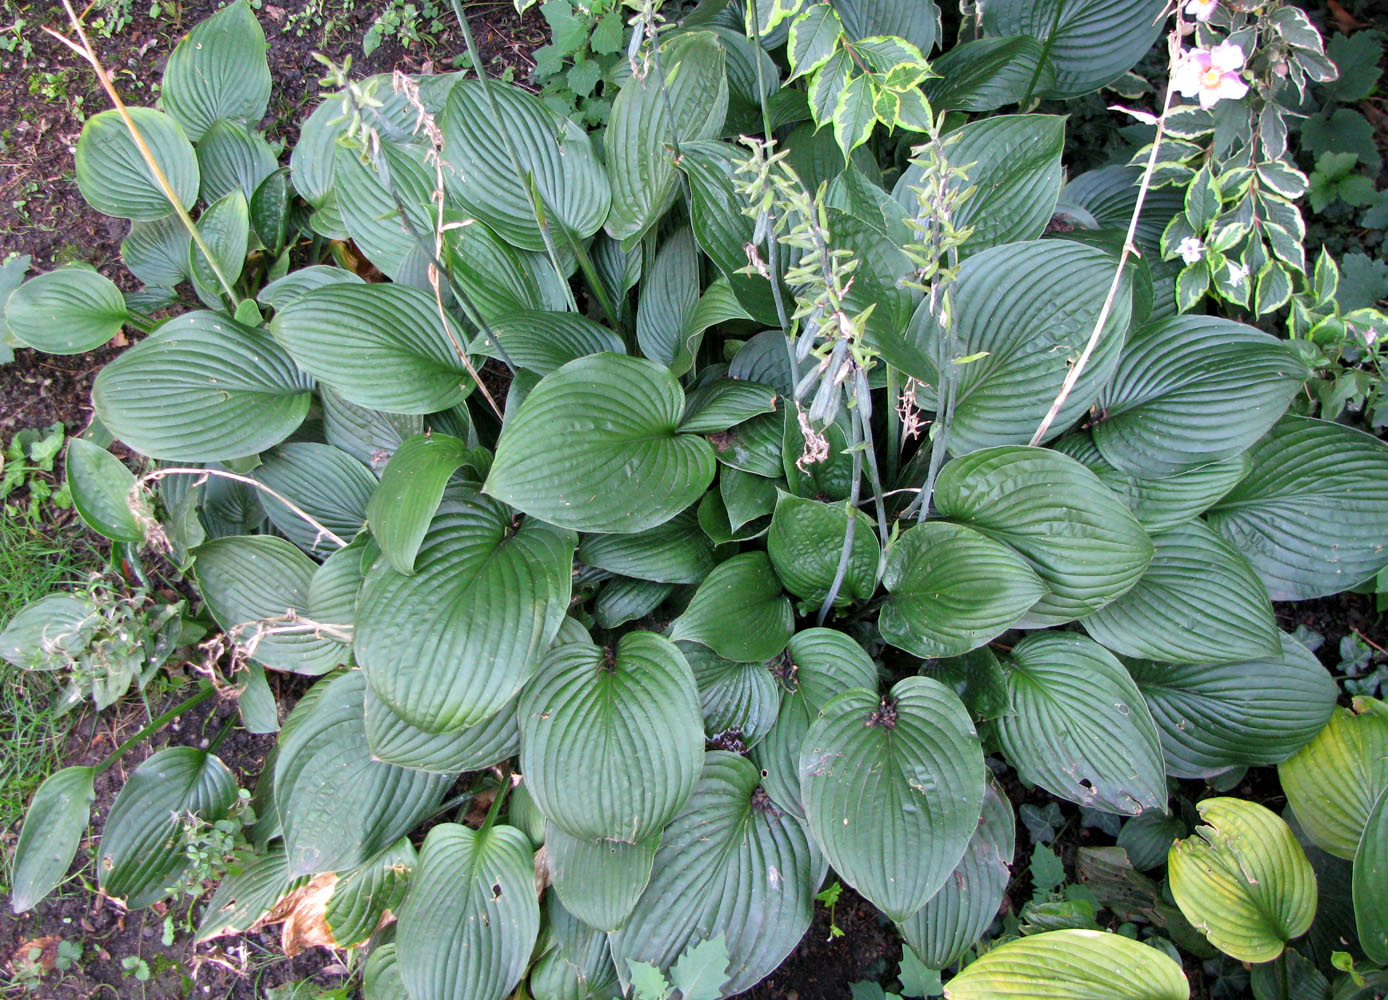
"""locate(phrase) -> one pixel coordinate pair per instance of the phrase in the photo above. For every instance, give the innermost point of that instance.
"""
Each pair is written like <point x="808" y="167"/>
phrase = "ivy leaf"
<point x="648" y="981"/>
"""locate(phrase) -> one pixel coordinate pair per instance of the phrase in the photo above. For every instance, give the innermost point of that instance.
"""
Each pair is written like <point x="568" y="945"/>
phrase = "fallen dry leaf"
<point x="36" y="956"/>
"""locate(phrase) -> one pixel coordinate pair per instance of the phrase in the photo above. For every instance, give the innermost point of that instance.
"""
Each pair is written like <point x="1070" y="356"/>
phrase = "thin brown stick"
<point x="323" y="530"/>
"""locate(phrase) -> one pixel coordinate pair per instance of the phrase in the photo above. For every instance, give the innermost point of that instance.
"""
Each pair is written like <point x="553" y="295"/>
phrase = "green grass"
<point x="32" y="564"/>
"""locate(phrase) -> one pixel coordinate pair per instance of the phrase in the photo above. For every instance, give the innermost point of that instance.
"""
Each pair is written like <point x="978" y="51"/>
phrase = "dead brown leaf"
<point x="36" y="956"/>
<point x="301" y="913"/>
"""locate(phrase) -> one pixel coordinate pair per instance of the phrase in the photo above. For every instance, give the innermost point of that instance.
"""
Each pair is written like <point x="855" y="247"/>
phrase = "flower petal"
<point x="1226" y="57"/>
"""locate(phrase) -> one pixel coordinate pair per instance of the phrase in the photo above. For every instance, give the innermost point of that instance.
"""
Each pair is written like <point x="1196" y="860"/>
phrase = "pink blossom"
<point x="1191" y="249"/>
<point x="1212" y="75"/>
<point x="1201" y="9"/>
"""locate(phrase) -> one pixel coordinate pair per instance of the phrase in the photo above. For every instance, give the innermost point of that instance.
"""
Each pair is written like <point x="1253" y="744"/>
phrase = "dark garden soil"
<point x="44" y="99"/>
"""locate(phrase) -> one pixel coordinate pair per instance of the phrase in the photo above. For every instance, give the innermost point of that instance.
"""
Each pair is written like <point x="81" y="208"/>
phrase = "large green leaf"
<point x="1213" y="717"/>
<point x="806" y="543"/>
<point x="988" y="73"/>
<point x="673" y="552"/>
<point x="233" y="158"/>
<point x="449" y="646"/>
<point x="739" y="611"/>
<point x="1014" y="160"/>
<point x="1371" y="883"/>
<point x="385" y="205"/>
<point x="381" y="346"/>
<point x="255" y="584"/>
<point x="1333" y="782"/>
<point x="157" y="252"/>
<point x="818" y="665"/>
<point x="951" y="589"/>
<point x="1193" y="390"/>
<point x="340" y="807"/>
<point x="219" y="70"/>
<point x="496" y="277"/>
<point x="473" y="748"/>
<point x="893" y="789"/>
<point x="574" y="962"/>
<point x="543" y="341"/>
<point x="411" y="487"/>
<point x="323" y="481"/>
<point x="739" y="700"/>
<point x="942" y="930"/>
<point x="1199" y="601"/>
<point x="1081" y="540"/>
<point x="225" y="228"/>
<point x="202" y="389"/>
<point x="101" y="491"/>
<point x="68" y="311"/>
<point x="1310" y="515"/>
<point x="612" y="740"/>
<point x="596" y="447"/>
<point x="370" y="436"/>
<point x="51" y="834"/>
<point x="1243" y="880"/>
<point x="141" y="853"/>
<point x="1078" y="726"/>
<point x="669" y="294"/>
<point x="649" y="117"/>
<point x="731" y="862"/>
<point x="599" y="880"/>
<point x="114" y="178"/>
<point x="917" y="21"/>
<point x="253" y="885"/>
<point x="361" y="897"/>
<point x="1088" y="42"/>
<point x="554" y="152"/>
<point x="46" y="633"/>
<point x="1071" y="965"/>
<point x="470" y="921"/>
<point x="1009" y="307"/>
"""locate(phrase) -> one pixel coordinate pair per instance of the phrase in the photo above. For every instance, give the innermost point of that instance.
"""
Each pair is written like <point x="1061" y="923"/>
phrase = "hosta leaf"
<point x="496" y="277"/>
<point x="51" y="834"/>
<point x="381" y="977"/>
<point x="142" y="844"/>
<point x="893" y="788"/>
<point x="669" y="294"/>
<point x="1006" y="309"/>
<point x="411" y="487"/>
<point x="101" y="491"/>
<point x="1199" y="601"/>
<point x="361" y="897"/>
<point x="806" y="543"/>
<point x="1310" y="515"/>
<point x="1078" y="726"/>
<point x="951" y="589"/>
<point x="68" y="311"/>
<point x="1015" y="162"/>
<point x="1212" y="717"/>
<point x="754" y="446"/>
<point x="479" y="746"/>
<point x="325" y="482"/>
<point x="596" y="447"/>
<point x="225" y="228"/>
<point x="648" y="115"/>
<point x="988" y="73"/>
<point x="202" y="389"/>
<point x="574" y="962"/>
<point x="282" y="291"/>
<point x="1193" y="390"/>
<point x="1243" y="880"/>
<point x="1081" y="540"/>
<point x="543" y="341"/>
<point x="623" y="599"/>
<point x="599" y="881"/>
<point x="469" y="924"/>
<point x="1088" y="42"/>
<point x="114" y="178"/>
<point x="611" y="740"/>
<point x="380" y="346"/>
<point x="232" y="158"/>
<point x="218" y="70"/>
<point x="673" y="552"/>
<point x="730" y="862"/>
<point x="917" y="22"/>
<point x="738" y="611"/>
<point x="746" y="497"/>
<point x="739" y="700"/>
<point x="157" y="252"/>
<point x="449" y="646"/>
<point x="1333" y="781"/>
<point x="253" y="885"/>
<point x="370" y="436"/>
<point x="1371" y="882"/>
<point x="942" y="930"/>
<point x="385" y="206"/>
<point x="340" y="807"/>
<point x="1071" y="965"/>
<point x="818" y="665"/>
<point x="1159" y="504"/>
<point x="254" y="583"/>
<point x="555" y="152"/>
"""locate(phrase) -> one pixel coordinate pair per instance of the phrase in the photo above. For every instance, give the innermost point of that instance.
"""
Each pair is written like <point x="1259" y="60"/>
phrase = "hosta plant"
<point x="753" y="489"/>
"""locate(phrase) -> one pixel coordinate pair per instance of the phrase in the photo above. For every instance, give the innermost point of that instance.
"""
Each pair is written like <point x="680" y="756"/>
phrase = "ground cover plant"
<point x="753" y="488"/>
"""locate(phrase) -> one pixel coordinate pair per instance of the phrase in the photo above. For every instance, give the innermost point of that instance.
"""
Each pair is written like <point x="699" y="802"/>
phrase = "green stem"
<point x="501" y="793"/>
<point x="893" y="425"/>
<point x="221" y="736"/>
<point x="206" y="692"/>
<point x="846" y="553"/>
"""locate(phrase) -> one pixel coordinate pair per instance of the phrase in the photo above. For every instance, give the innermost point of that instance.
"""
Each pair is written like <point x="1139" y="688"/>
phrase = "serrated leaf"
<point x="596" y="447"/>
<point x="1333" y="782"/>
<point x="101" y="491"/>
<point x="611" y="741"/>
<point x="1198" y="601"/>
<point x="68" y="311"/>
<point x="738" y="611"/>
<point x="1244" y="881"/>
<point x="114" y="178"/>
<point x="893" y="788"/>
<point x="218" y="71"/>
<point x="52" y="831"/>
<point x="1309" y="517"/>
<point x="814" y="36"/>
<point x="1074" y="964"/>
<point x="702" y="969"/>
<point x="338" y="806"/>
<point x="1079" y="727"/>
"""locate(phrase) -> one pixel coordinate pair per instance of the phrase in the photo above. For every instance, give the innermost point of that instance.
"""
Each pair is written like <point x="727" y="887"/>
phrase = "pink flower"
<point x="1212" y="75"/>
<point x="1201" y="9"/>
<point x="1191" y="249"/>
